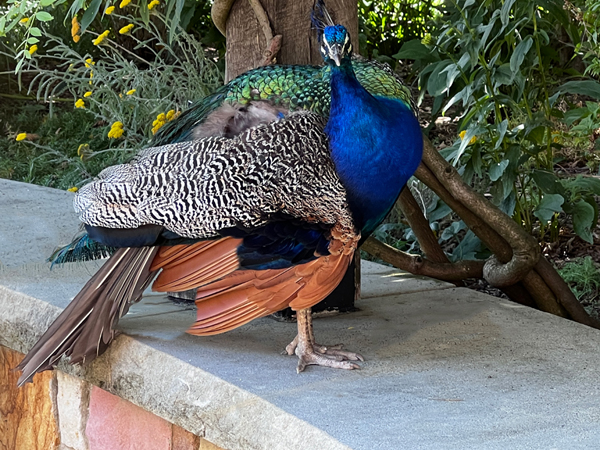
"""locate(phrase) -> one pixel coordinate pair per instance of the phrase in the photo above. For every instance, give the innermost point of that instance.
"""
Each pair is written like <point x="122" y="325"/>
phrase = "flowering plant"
<point x="135" y="76"/>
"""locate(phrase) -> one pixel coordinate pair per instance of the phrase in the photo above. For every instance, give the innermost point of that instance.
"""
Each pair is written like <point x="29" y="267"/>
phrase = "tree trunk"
<point x="246" y="42"/>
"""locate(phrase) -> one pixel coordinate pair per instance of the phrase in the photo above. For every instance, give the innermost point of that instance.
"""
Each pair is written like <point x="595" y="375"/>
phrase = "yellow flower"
<point x="161" y="119"/>
<point x="130" y="92"/>
<point x="89" y="63"/>
<point x="75" y="29"/>
<point x="170" y="114"/>
<point x="21" y="137"/>
<point x="73" y="189"/>
<point x="82" y="149"/>
<point x="124" y="3"/>
<point x="153" y="3"/>
<point x="101" y="37"/>
<point x="108" y="11"/>
<point x="24" y="20"/>
<point x="88" y="94"/>
<point x="80" y="103"/>
<point x="126" y="29"/>
<point x="462" y="135"/>
<point x="115" y="132"/>
<point x="33" y="49"/>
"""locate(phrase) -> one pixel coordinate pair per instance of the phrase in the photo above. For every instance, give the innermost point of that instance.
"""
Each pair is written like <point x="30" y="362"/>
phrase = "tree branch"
<point x="421" y="266"/>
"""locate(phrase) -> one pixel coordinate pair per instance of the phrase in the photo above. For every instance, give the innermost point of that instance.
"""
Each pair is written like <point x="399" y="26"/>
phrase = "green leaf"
<point x="35" y="31"/>
<point x="19" y="65"/>
<point x="547" y="182"/>
<point x="144" y="12"/>
<point x="586" y="87"/>
<point x="502" y="128"/>
<point x="503" y="75"/>
<point x="412" y="50"/>
<point x="550" y="204"/>
<point x="437" y="82"/>
<point x="32" y="40"/>
<point x="497" y="169"/>
<point x="576" y="114"/>
<point x="175" y="20"/>
<point x="90" y="14"/>
<point x="46" y="2"/>
<point x="591" y="184"/>
<point x="505" y="11"/>
<point x="43" y="16"/>
<point x="583" y="219"/>
<point x="519" y="54"/>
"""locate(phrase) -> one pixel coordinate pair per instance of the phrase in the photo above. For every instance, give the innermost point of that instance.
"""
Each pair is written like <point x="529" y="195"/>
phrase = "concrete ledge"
<point x="446" y="367"/>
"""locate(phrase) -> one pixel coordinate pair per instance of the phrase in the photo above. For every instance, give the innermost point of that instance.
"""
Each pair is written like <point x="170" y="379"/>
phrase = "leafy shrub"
<point x="491" y="62"/>
<point x="583" y="277"/>
<point x="131" y="70"/>
<point x="385" y="24"/>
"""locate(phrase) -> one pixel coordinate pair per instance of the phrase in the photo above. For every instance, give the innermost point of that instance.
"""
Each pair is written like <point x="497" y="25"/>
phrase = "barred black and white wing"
<point x="197" y="189"/>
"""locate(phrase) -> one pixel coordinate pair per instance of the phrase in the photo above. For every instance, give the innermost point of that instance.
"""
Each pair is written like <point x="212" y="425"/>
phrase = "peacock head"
<point x="335" y="45"/>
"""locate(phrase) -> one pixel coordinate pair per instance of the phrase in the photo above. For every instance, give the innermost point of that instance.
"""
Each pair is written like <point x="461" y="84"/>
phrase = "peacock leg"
<point x="310" y="353"/>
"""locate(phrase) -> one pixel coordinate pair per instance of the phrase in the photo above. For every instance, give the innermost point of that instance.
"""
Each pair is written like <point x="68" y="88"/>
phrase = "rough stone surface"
<point x="115" y="423"/>
<point x="35" y="208"/>
<point x="446" y="368"/>
<point x="73" y="402"/>
<point x="27" y="420"/>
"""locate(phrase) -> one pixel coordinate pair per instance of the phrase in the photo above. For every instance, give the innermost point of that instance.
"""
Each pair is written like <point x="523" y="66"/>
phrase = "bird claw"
<point x="320" y="359"/>
<point x="323" y="355"/>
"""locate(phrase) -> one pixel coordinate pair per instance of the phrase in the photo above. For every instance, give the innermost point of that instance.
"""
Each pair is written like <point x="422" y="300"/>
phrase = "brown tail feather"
<point x="247" y="295"/>
<point x="85" y="328"/>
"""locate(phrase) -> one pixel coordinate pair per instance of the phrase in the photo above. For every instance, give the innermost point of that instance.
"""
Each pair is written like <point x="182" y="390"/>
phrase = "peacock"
<point x="258" y="206"/>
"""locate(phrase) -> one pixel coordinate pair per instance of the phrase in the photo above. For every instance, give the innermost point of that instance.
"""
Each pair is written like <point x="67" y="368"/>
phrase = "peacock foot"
<point x="310" y="353"/>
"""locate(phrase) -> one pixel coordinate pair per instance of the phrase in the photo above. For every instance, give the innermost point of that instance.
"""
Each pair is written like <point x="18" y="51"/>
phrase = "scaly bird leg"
<point x="310" y="353"/>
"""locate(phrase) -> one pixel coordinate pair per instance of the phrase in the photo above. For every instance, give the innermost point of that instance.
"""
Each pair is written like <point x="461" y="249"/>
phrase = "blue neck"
<point x="376" y="145"/>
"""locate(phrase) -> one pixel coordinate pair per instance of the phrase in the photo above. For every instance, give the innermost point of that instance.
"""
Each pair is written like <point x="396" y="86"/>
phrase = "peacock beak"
<point x="336" y="53"/>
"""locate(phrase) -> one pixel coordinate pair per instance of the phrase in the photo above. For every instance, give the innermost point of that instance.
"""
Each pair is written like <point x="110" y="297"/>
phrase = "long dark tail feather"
<point x="86" y="326"/>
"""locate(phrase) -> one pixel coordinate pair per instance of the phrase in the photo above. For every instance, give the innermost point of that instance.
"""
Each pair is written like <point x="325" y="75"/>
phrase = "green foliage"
<point x="127" y="80"/>
<point x="586" y="13"/>
<point x="30" y="17"/>
<point x="583" y="276"/>
<point x="385" y="24"/>
<point x="489" y="64"/>
<point x="51" y="157"/>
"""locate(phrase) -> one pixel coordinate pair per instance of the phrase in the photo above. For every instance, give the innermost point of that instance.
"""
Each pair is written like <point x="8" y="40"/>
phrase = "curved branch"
<point x="525" y="250"/>
<point x="420" y="227"/>
<point x="421" y="266"/>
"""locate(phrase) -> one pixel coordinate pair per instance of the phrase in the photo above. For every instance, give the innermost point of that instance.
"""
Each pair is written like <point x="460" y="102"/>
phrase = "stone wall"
<point x="60" y="412"/>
